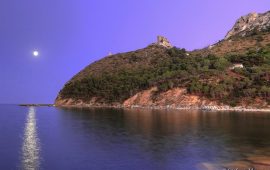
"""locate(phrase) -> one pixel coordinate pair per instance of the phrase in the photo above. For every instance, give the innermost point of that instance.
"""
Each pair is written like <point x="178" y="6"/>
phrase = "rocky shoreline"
<point x="173" y="99"/>
<point x="209" y="108"/>
<point x="37" y="105"/>
<point x="155" y="107"/>
<point x="169" y="107"/>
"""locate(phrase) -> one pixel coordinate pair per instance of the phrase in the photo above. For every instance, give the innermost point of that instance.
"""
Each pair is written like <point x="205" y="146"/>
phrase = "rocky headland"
<point x="233" y="74"/>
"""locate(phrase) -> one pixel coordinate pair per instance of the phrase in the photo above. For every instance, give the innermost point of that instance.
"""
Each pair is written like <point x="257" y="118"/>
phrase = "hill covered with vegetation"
<point x="234" y="71"/>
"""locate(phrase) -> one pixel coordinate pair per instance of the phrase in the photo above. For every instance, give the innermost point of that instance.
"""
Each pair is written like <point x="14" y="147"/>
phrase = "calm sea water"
<point x="110" y="139"/>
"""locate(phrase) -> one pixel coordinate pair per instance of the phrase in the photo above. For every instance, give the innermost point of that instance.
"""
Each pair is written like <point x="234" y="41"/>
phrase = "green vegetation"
<point x="205" y="76"/>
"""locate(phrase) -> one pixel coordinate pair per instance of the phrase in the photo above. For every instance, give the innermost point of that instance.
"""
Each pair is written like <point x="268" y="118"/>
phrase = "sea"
<point x="52" y="138"/>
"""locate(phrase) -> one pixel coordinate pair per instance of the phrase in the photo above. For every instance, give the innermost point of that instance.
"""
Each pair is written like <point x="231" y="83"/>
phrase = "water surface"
<point x="117" y="139"/>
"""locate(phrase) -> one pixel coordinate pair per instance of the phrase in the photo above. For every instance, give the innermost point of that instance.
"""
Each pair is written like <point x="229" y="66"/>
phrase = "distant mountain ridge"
<point x="233" y="73"/>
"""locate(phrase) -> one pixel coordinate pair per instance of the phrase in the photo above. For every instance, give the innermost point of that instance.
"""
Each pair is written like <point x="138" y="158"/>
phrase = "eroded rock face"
<point x="176" y="97"/>
<point x="163" y="42"/>
<point x="250" y="22"/>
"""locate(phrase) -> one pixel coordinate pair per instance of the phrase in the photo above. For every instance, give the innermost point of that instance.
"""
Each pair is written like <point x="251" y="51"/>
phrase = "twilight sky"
<point x="70" y="34"/>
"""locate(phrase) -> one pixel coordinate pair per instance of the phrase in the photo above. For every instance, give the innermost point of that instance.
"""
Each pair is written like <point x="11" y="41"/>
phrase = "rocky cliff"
<point x="249" y="23"/>
<point x="162" y="76"/>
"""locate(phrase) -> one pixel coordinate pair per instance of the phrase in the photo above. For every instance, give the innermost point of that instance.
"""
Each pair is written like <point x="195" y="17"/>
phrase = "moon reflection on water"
<point x="31" y="146"/>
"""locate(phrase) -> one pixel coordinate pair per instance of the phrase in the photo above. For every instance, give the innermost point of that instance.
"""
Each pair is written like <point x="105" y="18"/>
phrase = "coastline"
<point x="169" y="107"/>
<point x="37" y="105"/>
<point x="173" y="99"/>
<point x="220" y="108"/>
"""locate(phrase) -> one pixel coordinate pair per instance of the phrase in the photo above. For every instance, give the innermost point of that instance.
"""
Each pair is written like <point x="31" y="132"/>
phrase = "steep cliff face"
<point x="161" y="75"/>
<point x="249" y="23"/>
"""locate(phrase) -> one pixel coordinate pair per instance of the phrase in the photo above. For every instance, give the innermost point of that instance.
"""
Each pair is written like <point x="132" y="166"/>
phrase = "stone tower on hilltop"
<point x="163" y="42"/>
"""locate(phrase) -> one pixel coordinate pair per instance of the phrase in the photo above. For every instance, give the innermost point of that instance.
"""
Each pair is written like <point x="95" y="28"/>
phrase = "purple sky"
<point x="70" y="34"/>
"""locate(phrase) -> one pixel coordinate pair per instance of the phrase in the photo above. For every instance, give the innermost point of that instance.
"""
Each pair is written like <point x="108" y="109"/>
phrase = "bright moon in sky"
<point x="35" y="53"/>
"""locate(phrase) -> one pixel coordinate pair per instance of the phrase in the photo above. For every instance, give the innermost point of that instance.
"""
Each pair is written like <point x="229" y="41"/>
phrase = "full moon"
<point x="35" y="53"/>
